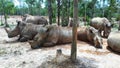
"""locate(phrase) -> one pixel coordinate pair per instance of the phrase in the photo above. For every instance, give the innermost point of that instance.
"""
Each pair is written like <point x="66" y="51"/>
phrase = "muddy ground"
<point x="20" y="55"/>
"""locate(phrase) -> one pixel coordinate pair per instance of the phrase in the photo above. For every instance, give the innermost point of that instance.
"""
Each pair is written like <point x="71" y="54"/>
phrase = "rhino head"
<point x="25" y="16"/>
<point x="94" y="36"/>
<point x="107" y="26"/>
<point x="16" y="31"/>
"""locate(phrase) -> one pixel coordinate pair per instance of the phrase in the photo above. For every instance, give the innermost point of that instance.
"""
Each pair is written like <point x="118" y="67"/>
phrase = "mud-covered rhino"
<point x="102" y="24"/>
<point x="53" y="35"/>
<point x="35" y="19"/>
<point x="90" y="34"/>
<point x="114" y="41"/>
<point x="26" y="31"/>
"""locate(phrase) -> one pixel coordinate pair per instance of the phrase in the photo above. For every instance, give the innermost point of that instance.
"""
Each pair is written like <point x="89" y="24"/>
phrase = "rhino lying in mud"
<point x="90" y="34"/>
<point x="53" y="35"/>
<point x="102" y="24"/>
<point x="26" y="31"/>
<point x="35" y="19"/>
<point x="114" y="41"/>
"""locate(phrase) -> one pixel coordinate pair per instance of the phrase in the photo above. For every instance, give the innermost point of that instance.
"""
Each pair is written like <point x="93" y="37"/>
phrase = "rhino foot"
<point x="35" y="47"/>
<point x="100" y="47"/>
<point x="23" y="39"/>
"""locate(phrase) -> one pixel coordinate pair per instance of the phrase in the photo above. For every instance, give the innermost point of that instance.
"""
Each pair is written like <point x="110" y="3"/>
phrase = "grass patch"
<point x="2" y="51"/>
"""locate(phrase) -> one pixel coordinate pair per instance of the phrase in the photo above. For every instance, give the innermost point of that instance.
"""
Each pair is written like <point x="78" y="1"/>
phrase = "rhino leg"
<point x="19" y="38"/>
<point x="103" y="33"/>
<point x="35" y="47"/>
<point x="48" y="44"/>
<point x="23" y="39"/>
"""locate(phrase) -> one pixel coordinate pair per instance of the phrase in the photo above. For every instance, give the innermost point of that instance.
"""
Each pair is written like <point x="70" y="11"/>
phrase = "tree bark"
<point x="50" y="11"/>
<point x="1" y="20"/>
<point x="119" y="25"/>
<point x="5" y="15"/>
<point x="58" y="3"/>
<point x="74" y="41"/>
<point x="65" y="13"/>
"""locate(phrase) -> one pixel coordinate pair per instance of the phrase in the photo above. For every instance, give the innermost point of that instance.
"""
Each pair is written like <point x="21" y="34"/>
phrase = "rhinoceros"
<point x="90" y="34"/>
<point x="26" y="31"/>
<point x="53" y="35"/>
<point x="102" y="24"/>
<point x="114" y="41"/>
<point x="35" y="19"/>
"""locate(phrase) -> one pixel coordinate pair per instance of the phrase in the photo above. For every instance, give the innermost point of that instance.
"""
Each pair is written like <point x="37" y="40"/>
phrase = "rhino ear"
<point x="90" y="31"/>
<point x="108" y="25"/>
<point x="24" y="24"/>
<point x="18" y="22"/>
<point x="47" y="29"/>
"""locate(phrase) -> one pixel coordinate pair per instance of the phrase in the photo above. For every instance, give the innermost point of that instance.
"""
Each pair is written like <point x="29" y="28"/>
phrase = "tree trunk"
<point x="84" y="19"/>
<point x="58" y="3"/>
<point x="119" y="25"/>
<point x="74" y="41"/>
<point x="5" y="17"/>
<point x="68" y="10"/>
<point x="65" y="13"/>
<point x="1" y="20"/>
<point x="50" y="11"/>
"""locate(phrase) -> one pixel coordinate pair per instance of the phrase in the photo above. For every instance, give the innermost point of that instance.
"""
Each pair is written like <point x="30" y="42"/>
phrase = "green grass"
<point x="2" y="51"/>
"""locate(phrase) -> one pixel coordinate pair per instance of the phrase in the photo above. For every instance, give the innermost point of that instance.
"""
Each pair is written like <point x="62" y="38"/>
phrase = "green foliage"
<point x="87" y="8"/>
<point x="118" y="18"/>
<point x="7" y="6"/>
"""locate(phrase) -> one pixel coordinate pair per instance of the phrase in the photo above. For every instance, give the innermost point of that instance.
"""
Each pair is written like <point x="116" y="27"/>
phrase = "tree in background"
<point x="7" y="8"/>
<point x="74" y="41"/>
<point x="65" y="12"/>
<point x="50" y="12"/>
<point x="58" y="11"/>
<point x="112" y="8"/>
<point x="31" y="4"/>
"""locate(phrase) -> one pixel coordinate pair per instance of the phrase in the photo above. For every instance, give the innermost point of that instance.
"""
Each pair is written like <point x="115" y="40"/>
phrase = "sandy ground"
<point x="20" y="55"/>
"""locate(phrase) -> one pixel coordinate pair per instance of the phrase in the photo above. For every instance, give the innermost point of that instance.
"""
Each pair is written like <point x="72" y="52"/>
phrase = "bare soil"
<point x="20" y="55"/>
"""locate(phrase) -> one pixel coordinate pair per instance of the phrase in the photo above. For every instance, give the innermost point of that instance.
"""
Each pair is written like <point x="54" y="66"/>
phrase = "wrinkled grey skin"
<point x="102" y="24"/>
<point x="51" y="36"/>
<point x="35" y="19"/>
<point x="26" y="31"/>
<point x="114" y="41"/>
<point x="90" y="34"/>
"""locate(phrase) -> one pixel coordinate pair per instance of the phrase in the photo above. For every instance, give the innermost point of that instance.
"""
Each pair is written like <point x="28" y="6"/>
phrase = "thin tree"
<point x="65" y="13"/>
<point x="50" y="13"/>
<point x="58" y="11"/>
<point x="74" y="41"/>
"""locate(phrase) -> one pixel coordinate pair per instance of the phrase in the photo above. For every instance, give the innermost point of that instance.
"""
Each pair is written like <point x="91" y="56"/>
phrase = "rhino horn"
<point x="7" y="30"/>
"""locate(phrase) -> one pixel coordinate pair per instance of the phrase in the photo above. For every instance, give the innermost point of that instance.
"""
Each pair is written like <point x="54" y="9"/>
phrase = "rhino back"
<point x="31" y="30"/>
<point x="82" y="34"/>
<point x="65" y="35"/>
<point x="36" y="20"/>
<point x="97" y="23"/>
